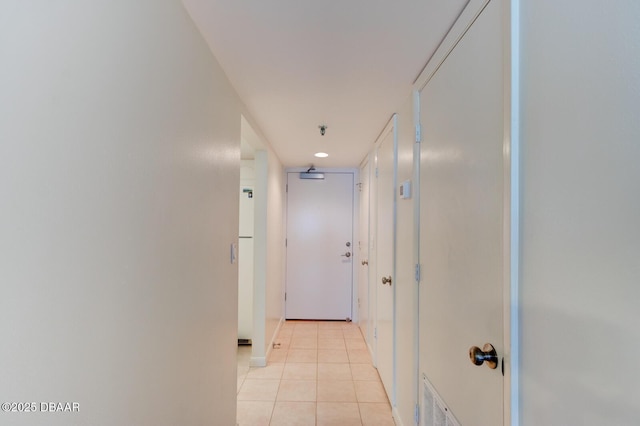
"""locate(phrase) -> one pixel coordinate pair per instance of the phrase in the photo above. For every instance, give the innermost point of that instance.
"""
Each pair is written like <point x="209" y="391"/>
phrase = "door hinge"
<point x="418" y="273"/>
<point x="418" y="133"/>
<point x="376" y="172"/>
<point x="286" y="242"/>
<point x="375" y="332"/>
<point x="286" y="189"/>
<point x="285" y="297"/>
<point x="417" y="414"/>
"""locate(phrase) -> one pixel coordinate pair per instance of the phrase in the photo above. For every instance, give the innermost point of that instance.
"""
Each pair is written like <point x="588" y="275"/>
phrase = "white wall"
<point x="119" y="170"/>
<point x="269" y="209"/>
<point x="269" y="253"/>
<point x="580" y="213"/>
<point x="245" y="251"/>
<point x="275" y="247"/>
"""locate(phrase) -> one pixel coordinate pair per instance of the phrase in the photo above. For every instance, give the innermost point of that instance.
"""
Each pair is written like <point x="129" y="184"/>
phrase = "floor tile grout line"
<point x="352" y="379"/>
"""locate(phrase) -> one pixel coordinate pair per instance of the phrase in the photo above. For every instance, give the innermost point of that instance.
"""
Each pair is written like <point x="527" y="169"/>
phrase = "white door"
<point x="461" y="223"/>
<point x="364" y="317"/>
<point x="319" y="247"/>
<point x="385" y="273"/>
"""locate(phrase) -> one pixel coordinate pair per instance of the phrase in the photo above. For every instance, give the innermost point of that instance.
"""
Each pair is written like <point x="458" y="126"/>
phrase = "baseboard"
<point x="261" y="361"/>
<point x="275" y="333"/>
<point x="396" y="416"/>
<point x="258" y="361"/>
<point x="371" y="354"/>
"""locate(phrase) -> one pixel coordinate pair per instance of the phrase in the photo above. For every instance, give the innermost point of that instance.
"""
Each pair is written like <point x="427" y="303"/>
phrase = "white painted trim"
<point x="373" y="247"/>
<point x="364" y="161"/>
<point x="416" y="247"/>
<point x="258" y="361"/>
<point x="467" y="17"/>
<point x="396" y="416"/>
<point x="507" y="202"/>
<point x="394" y="366"/>
<point x="261" y="173"/>
<point x="355" y="271"/>
<point x="372" y="354"/>
<point x="365" y="167"/>
<point x="513" y="386"/>
<point x="373" y="240"/>
<point x="511" y="250"/>
<point x="390" y="128"/>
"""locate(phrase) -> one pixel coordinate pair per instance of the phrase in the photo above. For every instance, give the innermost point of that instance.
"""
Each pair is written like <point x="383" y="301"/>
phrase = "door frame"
<point x="511" y="188"/>
<point x="370" y="161"/>
<point x="355" y="229"/>
<point x="364" y="217"/>
<point x="390" y="128"/>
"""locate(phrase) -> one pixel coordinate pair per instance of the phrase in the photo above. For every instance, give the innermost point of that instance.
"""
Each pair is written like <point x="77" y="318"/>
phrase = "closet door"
<point x="385" y="254"/>
<point x="461" y="223"/>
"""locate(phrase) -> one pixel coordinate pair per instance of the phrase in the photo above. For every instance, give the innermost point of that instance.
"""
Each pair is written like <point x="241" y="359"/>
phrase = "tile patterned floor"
<point x="320" y="376"/>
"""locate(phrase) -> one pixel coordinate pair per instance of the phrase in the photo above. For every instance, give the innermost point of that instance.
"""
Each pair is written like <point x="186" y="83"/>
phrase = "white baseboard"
<point x="258" y="361"/>
<point x="396" y="416"/>
<point x="275" y="333"/>
<point x="261" y="361"/>
<point x="372" y="355"/>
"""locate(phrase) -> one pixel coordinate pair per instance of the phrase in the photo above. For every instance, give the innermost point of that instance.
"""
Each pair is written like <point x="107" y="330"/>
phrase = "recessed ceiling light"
<point x="321" y="154"/>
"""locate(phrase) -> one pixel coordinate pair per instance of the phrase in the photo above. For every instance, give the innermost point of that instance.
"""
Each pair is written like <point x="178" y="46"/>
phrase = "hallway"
<point x="495" y="145"/>
<point x="321" y="374"/>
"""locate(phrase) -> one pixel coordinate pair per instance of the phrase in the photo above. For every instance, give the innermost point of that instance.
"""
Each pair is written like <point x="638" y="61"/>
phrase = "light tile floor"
<point x="321" y="375"/>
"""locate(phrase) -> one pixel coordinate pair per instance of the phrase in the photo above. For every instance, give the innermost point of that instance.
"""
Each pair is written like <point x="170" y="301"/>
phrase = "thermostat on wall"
<point x="405" y="189"/>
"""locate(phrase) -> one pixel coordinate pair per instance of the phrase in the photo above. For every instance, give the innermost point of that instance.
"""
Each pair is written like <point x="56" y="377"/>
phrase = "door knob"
<point x="386" y="280"/>
<point x="347" y="254"/>
<point x="365" y="262"/>
<point x="487" y="354"/>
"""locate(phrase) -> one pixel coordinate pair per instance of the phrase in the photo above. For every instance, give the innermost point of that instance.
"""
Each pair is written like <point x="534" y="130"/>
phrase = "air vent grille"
<point x="434" y="411"/>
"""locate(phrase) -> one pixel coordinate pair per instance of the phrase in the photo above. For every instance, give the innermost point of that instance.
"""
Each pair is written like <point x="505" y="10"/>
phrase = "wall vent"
<point x="434" y="411"/>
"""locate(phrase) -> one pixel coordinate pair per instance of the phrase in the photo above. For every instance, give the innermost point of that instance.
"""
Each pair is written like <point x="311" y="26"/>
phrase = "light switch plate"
<point x="405" y="189"/>
<point x="234" y="252"/>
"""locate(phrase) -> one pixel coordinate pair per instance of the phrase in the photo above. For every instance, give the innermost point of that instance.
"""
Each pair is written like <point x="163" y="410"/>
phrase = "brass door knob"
<point x="386" y="280"/>
<point x="487" y="354"/>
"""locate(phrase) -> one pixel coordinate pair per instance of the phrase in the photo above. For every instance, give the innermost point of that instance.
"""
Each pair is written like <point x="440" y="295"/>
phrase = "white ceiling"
<point x="348" y="64"/>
